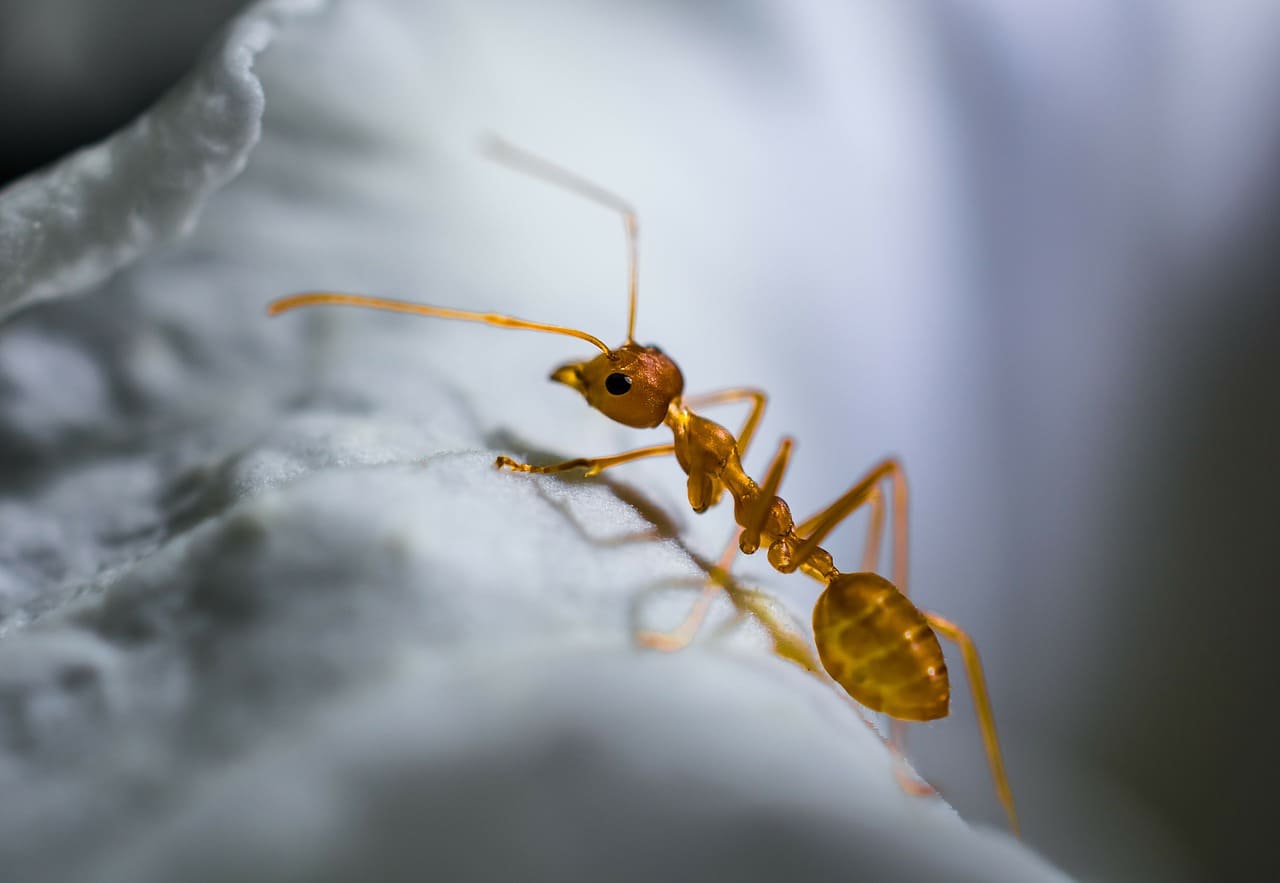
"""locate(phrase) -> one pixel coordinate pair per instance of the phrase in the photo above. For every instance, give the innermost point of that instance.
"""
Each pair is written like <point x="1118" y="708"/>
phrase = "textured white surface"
<point x="268" y="611"/>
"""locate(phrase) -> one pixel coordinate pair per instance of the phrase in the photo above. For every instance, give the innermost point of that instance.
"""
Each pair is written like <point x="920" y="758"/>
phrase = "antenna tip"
<point x="284" y="304"/>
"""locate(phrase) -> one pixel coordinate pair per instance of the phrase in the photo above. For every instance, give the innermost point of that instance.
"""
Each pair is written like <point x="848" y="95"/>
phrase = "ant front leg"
<point x="592" y="465"/>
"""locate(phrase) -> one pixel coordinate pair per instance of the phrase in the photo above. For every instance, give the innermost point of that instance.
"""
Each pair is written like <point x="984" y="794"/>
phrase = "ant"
<point x="877" y="645"/>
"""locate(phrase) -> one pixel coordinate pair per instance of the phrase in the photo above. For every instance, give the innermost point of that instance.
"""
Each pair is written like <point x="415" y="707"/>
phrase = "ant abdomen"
<point x="879" y="647"/>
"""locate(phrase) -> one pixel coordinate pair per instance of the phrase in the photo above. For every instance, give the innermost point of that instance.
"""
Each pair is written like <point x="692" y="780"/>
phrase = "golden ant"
<point x="871" y="640"/>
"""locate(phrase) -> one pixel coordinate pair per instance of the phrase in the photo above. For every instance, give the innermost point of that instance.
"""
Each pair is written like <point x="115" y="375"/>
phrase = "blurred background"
<point x="1029" y="249"/>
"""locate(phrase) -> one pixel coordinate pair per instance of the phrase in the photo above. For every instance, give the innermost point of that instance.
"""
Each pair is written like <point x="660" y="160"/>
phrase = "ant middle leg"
<point x="866" y="491"/>
<point x="787" y="643"/>
<point x="680" y="637"/>
<point x="745" y="538"/>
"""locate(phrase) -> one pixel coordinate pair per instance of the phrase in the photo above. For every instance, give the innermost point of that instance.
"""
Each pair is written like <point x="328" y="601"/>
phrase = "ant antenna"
<point x="523" y="161"/>
<point x="313" y="298"/>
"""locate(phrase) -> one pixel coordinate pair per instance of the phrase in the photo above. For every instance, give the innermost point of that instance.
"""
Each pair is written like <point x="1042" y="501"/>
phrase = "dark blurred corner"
<point x="73" y="71"/>
<point x="1186" y="717"/>
<point x="1129" y="252"/>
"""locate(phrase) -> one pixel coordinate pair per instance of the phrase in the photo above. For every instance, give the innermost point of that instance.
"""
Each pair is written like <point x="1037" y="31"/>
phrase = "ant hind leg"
<point x="982" y="703"/>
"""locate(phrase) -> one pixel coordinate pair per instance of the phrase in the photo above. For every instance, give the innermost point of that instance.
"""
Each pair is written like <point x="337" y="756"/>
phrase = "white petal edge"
<point x="68" y="227"/>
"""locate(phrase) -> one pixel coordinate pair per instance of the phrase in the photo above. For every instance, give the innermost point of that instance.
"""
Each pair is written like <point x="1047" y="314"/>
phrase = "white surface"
<point x="268" y="611"/>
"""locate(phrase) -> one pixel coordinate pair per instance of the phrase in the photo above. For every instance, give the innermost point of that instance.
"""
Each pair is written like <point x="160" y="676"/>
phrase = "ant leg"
<point x="684" y="633"/>
<point x="875" y="532"/>
<point x="865" y="491"/>
<point x="592" y="465"/>
<point x="982" y="702"/>
<point x="681" y="635"/>
<point x="786" y="642"/>
<point x="754" y="520"/>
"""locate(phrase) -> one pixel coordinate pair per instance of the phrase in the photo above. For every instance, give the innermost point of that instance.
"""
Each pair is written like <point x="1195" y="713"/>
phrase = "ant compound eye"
<point x="617" y="384"/>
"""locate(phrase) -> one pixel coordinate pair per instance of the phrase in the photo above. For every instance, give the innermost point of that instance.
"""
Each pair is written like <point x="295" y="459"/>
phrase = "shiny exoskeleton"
<point x="870" y="638"/>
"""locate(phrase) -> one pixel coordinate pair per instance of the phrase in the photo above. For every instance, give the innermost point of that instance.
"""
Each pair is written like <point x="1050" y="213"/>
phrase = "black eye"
<point x="617" y="384"/>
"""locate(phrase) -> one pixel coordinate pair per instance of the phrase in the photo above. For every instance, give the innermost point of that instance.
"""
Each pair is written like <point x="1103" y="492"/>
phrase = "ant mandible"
<point x="871" y="639"/>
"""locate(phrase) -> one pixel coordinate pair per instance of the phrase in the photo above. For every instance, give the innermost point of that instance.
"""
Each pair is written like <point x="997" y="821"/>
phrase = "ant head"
<point x="632" y="384"/>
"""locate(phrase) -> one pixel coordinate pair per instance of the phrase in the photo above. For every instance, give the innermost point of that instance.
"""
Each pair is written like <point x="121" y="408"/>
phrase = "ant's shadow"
<point x="663" y="527"/>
